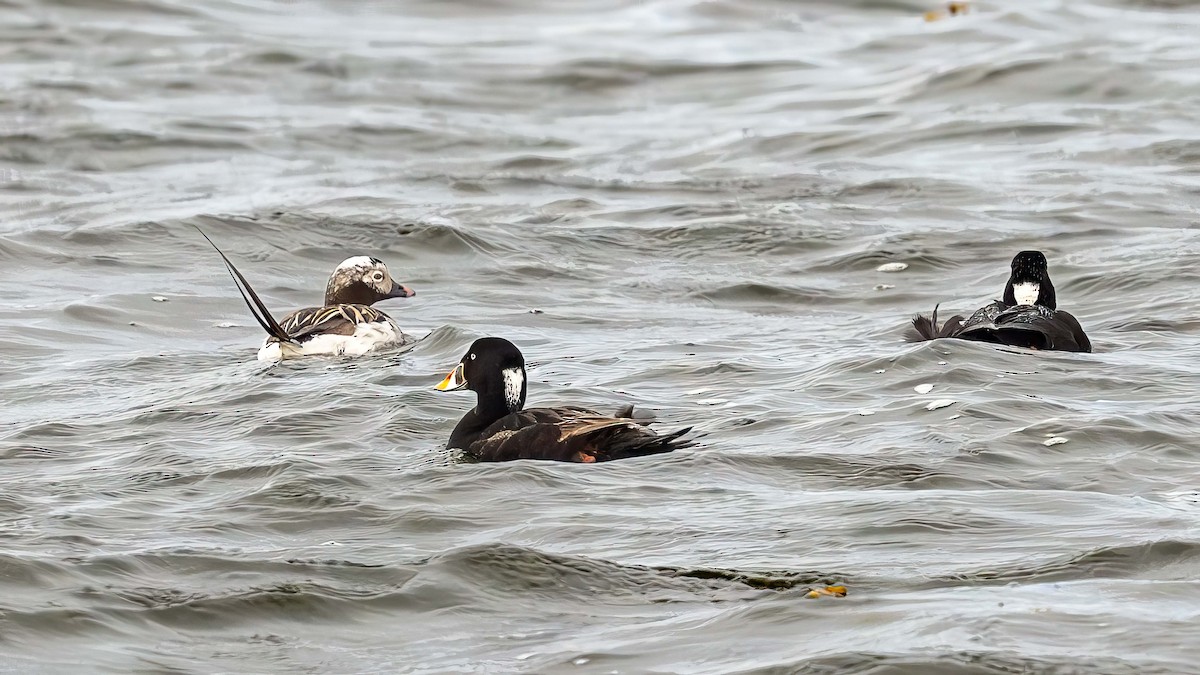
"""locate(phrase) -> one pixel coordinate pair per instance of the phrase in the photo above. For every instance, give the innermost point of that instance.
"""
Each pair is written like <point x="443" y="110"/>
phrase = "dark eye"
<point x="379" y="276"/>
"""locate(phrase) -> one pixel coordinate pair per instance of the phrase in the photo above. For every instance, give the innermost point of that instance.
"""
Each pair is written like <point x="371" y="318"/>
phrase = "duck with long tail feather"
<point x="346" y="324"/>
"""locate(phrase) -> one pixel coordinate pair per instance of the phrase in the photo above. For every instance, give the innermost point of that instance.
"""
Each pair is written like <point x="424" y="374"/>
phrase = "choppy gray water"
<point x="696" y="195"/>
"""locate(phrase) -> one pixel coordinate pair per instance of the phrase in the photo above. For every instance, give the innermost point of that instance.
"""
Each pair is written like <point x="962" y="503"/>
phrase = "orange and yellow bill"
<point x="455" y="380"/>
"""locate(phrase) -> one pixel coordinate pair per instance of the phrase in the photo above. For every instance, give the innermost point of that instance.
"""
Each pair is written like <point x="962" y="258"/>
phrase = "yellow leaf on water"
<point x="835" y="591"/>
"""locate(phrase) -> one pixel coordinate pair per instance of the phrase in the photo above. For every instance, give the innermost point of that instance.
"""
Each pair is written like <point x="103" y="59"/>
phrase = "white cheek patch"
<point x="1026" y="293"/>
<point x="514" y="383"/>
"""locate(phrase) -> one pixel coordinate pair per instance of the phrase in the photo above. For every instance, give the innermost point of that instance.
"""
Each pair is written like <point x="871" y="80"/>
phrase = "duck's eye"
<point x="378" y="276"/>
<point x="472" y="357"/>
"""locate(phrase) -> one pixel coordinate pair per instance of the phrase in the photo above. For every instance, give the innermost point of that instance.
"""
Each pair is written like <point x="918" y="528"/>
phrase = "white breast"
<point x="1027" y="292"/>
<point x="367" y="337"/>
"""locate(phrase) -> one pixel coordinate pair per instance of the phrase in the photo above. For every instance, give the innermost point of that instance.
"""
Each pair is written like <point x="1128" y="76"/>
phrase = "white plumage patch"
<point x="514" y="382"/>
<point x="356" y="261"/>
<point x="1026" y="292"/>
<point x="367" y="337"/>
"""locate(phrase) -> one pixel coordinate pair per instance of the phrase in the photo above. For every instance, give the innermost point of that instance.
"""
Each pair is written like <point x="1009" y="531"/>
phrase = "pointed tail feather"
<point x="261" y="314"/>
<point x="926" y="328"/>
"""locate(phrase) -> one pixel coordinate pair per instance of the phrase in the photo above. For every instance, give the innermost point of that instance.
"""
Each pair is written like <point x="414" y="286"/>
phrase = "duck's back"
<point x="1031" y="326"/>
<point x="985" y="314"/>
<point x="568" y="434"/>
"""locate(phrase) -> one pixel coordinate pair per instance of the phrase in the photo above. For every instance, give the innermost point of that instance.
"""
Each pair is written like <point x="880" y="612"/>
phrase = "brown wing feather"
<point x="329" y="320"/>
<point x="569" y="435"/>
<point x="582" y="426"/>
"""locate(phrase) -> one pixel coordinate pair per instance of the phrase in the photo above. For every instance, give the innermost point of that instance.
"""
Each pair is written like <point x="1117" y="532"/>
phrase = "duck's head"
<point x="494" y="369"/>
<point x="1029" y="283"/>
<point x="363" y="280"/>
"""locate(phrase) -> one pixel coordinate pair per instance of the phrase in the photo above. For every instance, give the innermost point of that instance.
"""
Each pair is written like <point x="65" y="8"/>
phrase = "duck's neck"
<point x="467" y="431"/>
<point x="487" y="410"/>
<point x="350" y="294"/>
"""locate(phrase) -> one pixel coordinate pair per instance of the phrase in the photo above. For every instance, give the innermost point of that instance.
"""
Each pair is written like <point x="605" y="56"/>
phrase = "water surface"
<point x="695" y="197"/>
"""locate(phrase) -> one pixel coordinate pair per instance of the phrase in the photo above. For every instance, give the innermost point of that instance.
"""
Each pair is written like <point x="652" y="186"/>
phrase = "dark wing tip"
<point x="649" y="445"/>
<point x="676" y="439"/>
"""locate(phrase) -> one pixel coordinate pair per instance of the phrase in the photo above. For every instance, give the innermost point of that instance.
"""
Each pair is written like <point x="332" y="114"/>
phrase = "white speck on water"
<point x="892" y="267"/>
<point x="954" y="416"/>
<point x="226" y="324"/>
<point x="884" y="287"/>
<point x="1054" y="440"/>
<point x="880" y="372"/>
<point x="923" y="388"/>
<point x="866" y="412"/>
<point x="712" y="401"/>
<point x="940" y="403"/>
<point x="581" y="661"/>
<point x="941" y="363"/>
<point x="159" y="298"/>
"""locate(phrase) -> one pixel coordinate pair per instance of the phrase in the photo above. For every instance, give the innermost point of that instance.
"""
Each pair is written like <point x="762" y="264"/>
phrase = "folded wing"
<point x="1031" y="326"/>
<point x="330" y="320"/>
<point x="570" y="434"/>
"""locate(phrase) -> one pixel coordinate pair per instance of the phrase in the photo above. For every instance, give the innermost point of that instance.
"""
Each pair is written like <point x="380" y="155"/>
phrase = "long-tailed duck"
<point x="345" y="325"/>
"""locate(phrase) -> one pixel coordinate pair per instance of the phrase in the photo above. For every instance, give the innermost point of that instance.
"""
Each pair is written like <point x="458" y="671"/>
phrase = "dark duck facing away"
<point x="1028" y="316"/>
<point x="500" y="428"/>
<point x="346" y="324"/>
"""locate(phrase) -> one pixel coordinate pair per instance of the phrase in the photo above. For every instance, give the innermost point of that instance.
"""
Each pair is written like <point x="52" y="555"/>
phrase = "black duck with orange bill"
<point x="499" y="428"/>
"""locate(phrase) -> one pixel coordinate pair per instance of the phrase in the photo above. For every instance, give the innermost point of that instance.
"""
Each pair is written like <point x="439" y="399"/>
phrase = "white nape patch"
<point x="356" y="261"/>
<point x="1027" y="292"/>
<point x="514" y="382"/>
<point x="367" y="337"/>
